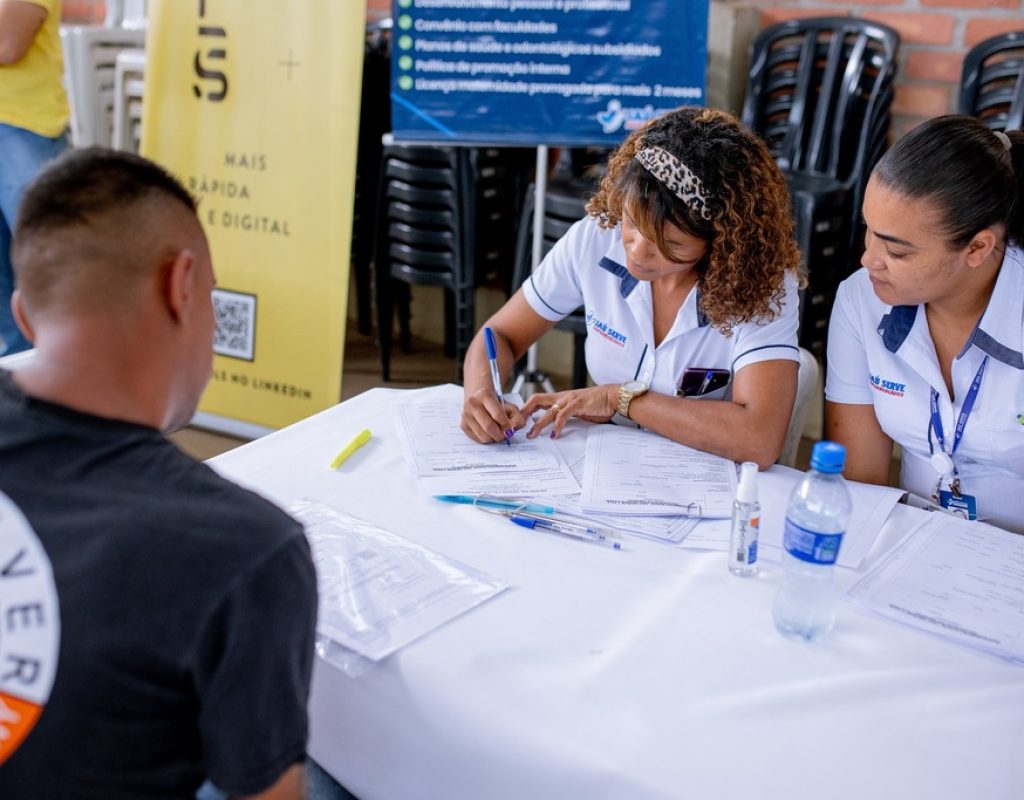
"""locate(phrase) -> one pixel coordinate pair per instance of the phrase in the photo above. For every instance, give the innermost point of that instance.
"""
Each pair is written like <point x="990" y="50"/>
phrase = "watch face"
<point x="634" y="386"/>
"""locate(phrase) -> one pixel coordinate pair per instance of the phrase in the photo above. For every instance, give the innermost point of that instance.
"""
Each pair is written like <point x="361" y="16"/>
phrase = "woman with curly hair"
<point x="688" y="272"/>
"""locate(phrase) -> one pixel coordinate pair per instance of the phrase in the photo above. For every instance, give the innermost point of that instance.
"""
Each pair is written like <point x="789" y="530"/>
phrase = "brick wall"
<point x="375" y="9"/>
<point x="936" y="34"/>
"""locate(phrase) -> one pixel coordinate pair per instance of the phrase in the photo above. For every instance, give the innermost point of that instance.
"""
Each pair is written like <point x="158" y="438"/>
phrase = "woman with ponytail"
<point x="926" y="343"/>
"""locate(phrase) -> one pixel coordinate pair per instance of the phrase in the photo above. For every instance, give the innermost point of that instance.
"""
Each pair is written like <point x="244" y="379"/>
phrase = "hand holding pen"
<point x="492" y="360"/>
<point x="486" y="417"/>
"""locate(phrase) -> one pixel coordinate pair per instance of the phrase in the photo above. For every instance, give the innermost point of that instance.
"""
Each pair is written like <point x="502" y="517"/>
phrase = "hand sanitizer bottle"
<point x="746" y="517"/>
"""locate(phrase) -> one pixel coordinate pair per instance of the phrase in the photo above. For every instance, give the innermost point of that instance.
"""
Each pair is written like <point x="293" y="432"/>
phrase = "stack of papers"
<point x="616" y="478"/>
<point x="630" y="471"/>
<point x="962" y="581"/>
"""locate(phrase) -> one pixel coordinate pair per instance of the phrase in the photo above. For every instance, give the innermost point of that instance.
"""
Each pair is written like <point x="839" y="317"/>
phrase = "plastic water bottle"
<point x="746" y="517"/>
<point x="816" y="519"/>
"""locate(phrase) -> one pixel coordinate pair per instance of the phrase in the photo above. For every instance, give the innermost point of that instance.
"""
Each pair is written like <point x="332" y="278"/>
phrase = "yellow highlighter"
<point x="361" y="438"/>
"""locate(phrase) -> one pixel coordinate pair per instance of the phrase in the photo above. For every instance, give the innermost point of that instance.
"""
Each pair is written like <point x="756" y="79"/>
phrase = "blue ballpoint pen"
<point x="564" y="528"/>
<point x="707" y="380"/>
<point x="492" y="358"/>
<point x="495" y="502"/>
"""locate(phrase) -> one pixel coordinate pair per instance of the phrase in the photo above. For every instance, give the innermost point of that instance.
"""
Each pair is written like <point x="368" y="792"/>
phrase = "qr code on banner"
<point x="236" y="324"/>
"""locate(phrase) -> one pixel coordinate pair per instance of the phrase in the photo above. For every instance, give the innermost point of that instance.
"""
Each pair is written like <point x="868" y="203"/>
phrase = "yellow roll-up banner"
<point x="255" y="107"/>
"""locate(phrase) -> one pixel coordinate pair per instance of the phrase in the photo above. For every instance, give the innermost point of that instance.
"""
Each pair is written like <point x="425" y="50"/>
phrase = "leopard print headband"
<point x="677" y="177"/>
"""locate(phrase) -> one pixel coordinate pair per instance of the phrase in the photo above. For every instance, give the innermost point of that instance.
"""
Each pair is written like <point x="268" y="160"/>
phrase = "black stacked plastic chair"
<point x="444" y="219"/>
<point x="374" y="122"/>
<point x="992" y="82"/>
<point x="564" y="204"/>
<point x="819" y="91"/>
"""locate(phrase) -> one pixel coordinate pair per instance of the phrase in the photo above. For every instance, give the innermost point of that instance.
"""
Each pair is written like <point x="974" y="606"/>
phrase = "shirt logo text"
<point x="605" y="330"/>
<point x="888" y="387"/>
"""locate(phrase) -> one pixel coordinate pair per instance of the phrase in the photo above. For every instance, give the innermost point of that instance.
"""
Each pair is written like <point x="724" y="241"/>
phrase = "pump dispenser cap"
<point x="746" y="492"/>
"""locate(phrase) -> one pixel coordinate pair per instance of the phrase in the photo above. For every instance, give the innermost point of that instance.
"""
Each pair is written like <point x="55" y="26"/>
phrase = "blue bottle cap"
<point x="828" y="457"/>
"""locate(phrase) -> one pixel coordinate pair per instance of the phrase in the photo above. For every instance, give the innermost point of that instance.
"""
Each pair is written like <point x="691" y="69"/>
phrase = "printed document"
<point x="379" y="591"/>
<point x="629" y="471"/>
<point x="963" y="581"/>
<point x="447" y="462"/>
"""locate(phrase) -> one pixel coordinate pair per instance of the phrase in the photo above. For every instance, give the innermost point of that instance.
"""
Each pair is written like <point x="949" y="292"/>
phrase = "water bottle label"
<point x="811" y="546"/>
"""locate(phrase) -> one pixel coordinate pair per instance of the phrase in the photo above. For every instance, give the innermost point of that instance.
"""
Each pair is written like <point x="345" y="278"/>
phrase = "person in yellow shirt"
<point x="33" y="124"/>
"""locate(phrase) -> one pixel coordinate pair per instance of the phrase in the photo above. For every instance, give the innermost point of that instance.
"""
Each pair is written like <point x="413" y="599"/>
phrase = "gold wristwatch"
<point x="628" y="392"/>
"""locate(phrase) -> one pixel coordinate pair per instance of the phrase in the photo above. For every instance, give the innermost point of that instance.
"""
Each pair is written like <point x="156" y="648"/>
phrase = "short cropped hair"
<point x="94" y="210"/>
<point x="749" y="223"/>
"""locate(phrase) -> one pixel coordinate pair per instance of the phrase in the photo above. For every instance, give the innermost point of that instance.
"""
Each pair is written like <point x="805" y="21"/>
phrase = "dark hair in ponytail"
<point x="966" y="170"/>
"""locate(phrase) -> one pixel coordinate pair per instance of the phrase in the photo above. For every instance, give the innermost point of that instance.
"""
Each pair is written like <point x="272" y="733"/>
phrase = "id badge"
<point x="964" y="506"/>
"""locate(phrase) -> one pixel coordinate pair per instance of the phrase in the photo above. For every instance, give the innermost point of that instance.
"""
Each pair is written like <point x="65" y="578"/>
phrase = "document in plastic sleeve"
<point x="379" y="591"/>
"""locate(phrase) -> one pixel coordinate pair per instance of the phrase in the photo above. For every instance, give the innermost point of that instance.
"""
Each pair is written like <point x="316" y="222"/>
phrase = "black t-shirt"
<point x="187" y="609"/>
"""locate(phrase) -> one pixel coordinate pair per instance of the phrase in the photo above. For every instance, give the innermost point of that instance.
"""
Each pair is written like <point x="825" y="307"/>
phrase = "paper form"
<point x="871" y="507"/>
<point x="447" y="462"/>
<point x="661" y="528"/>
<point x="630" y="471"/>
<point x="962" y="581"/>
<point x="379" y="591"/>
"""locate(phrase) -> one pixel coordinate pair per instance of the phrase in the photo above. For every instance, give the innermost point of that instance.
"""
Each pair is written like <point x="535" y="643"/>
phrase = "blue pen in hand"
<point x="492" y="358"/>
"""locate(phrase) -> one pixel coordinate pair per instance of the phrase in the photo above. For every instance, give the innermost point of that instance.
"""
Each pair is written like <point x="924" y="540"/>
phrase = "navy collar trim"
<point x="1007" y="355"/>
<point x="702" y="319"/>
<point x="628" y="282"/>
<point x="895" y="326"/>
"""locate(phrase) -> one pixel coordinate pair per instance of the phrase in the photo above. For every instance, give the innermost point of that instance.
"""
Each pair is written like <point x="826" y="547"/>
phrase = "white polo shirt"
<point x="883" y="355"/>
<point x="586" y="267"/>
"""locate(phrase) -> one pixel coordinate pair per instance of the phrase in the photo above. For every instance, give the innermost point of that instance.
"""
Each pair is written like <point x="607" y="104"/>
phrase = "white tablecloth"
<point x="648" y="673"/>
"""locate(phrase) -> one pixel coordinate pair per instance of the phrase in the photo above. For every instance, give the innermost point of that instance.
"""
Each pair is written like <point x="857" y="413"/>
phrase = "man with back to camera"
<point x="33" y="123"/>
<point x="187" y="604"/>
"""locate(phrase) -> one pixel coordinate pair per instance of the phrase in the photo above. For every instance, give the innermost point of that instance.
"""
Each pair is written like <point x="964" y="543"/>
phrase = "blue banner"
<point x="530" y="72"/>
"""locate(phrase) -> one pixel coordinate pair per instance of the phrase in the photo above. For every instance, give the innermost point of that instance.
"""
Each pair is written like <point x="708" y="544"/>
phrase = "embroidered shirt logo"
<point x="888" y="387"/>
<point x="605" y="330"/>
<point x="30" y="643"/>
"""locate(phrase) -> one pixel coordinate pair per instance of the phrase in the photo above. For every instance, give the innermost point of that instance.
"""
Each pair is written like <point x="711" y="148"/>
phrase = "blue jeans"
<point x="22" y="156"/>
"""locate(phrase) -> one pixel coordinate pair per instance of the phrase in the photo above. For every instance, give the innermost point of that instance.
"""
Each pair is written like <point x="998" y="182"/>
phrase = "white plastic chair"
<point x="806" y="382"/>
<point x="126" y="13"/>
<point x="129" y="81"/>
<point x="90" y="56"/>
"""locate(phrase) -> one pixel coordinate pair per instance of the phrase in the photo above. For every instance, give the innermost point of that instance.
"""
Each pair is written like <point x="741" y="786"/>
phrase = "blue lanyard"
<point x="961" y="423"/>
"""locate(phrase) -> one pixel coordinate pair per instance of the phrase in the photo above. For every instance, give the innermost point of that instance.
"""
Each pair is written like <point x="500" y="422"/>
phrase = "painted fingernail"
<point x="554" y="434"/>
<point x="510" y="433"/>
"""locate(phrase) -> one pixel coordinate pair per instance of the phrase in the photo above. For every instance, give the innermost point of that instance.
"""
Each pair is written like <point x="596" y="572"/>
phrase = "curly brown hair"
<point x="750" y="231"/>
